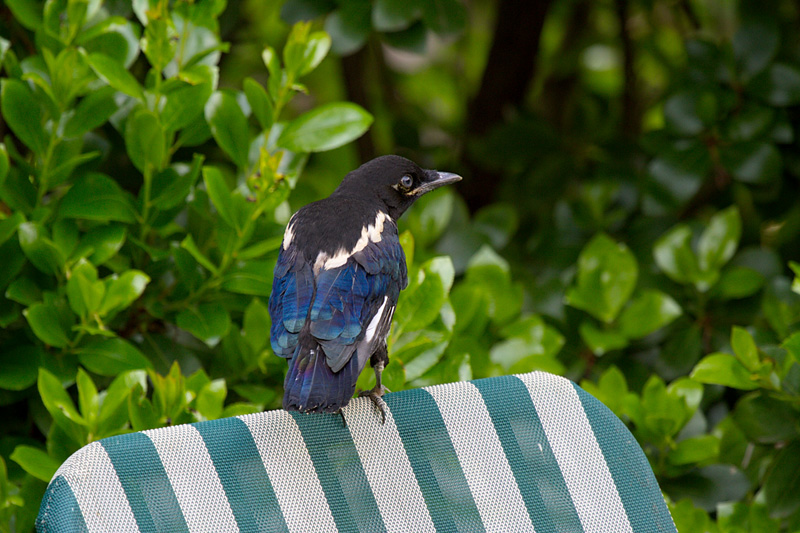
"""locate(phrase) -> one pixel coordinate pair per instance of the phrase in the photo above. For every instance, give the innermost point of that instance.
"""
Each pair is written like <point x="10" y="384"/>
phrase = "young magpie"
<point x="340" y="270"/>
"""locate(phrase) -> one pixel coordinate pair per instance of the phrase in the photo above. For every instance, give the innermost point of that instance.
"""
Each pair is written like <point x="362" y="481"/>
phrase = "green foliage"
<point x="638" y="235"/>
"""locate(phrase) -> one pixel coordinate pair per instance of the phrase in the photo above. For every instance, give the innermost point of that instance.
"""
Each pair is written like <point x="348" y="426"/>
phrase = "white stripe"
<point x="373" y="325"/>
<point x="96" y="487"/>
<point x="194" y="479"/>
<point x="579" y="456"/>
<point x="290" y="470"/>
<point x="482" y="459"/>
<point x="387" y="468"/>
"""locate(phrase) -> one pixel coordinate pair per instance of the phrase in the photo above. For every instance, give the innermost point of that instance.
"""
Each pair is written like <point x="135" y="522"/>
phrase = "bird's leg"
<point x="340" y="412"/>
<point x="378" y="361"/>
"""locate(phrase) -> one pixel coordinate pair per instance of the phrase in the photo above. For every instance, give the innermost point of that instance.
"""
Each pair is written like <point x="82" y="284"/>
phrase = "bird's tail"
<point x="312" y="387"/>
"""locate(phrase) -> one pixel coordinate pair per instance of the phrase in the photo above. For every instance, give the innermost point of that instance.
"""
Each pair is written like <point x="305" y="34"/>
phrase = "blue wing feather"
<point x="319" y="321"/>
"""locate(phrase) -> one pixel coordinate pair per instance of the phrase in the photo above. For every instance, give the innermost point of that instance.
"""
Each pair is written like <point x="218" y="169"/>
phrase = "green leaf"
<point x="607" y="273"/>
<point x="23" y="115"/>
<point x="649" y="311"/>
<point x="684" y="113"/>
<point x="39" y="249"/>
<point x="738" y="282"/>
<point x="700" y="449"/>
<point x="207" y="322"/>
<point x="755" y="44"/>
<point x="719" y="240"/>
<point x="10" y="225"/>
<point x="159" y="42"/>
<point x="113" y="414"/>
<point x="142" y="413"/>
<point x="779" y="85"/>
<point x="228" y="126"/>
<point x="325" y="127"/>
<point x="48" y="324"/>
<point x="421" y="303"/>
<point x="211" y="399"/>
<point x="602" y="341"/>
<point x="144" y="140"/>
<point x="444" y="16"/>
<point x="256" y="325"/>
<point x="782" y="483"/>
<point x="35" y="461"/>
<point x="530" y="344"/>
<point x="20" y="366"/>
<point x="310" y="53"/>
<point x="766" y="420"/>
<point x="394" y="15"/>
<point x="88" y="398"/>
<point x="723" y="369"/>
<point x="745" y="348"/>
<point x="104" y="241"/>
<point x="122" y="291"/>
<point x="674" y="256"/>
<point x="189" y="245"/>
<point x="349" y="26"/>
<point x="97" y="197"/>
<point x="261" y="248"/>
<point x="221" y="196"/>
<point x="184" y="105"/>
<point x="172" y="185"/>
<point x="4" y="165"/>
<point x="84" y="291"/>
<point x="114" y="73"/>
<point x="60" y="406"/>
<point x="92" y="112"/>
<point x="259" y="102"/>
<point x="253" y="278"/>
<point x="24" y="290"/>
<point x="754" y="162"/>
<point x="27" y="12"/>
<point x="430" y="216"/>
<point x="109" y="357"/>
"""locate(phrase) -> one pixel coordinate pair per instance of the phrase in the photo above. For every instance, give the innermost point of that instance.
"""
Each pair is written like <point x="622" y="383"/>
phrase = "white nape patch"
<point x="370" y="233"/>
<point x="373" y="325"/>
<point x="288" y="235"/>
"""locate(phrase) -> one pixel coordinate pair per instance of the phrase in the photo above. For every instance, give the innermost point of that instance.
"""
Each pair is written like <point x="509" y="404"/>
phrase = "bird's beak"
<point x="437" y="179"/>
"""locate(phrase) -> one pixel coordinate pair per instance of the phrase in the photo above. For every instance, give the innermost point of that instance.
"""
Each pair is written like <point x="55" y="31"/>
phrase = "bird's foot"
<point x="376" y="395"/>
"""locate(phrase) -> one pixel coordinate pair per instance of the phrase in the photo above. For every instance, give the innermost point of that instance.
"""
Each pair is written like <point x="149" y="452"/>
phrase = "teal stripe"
<point x="340" y="472"/>
<point x="242" y="474"/>
<point x="529" y="454"/>
<point x="59" y="512"/>
<point x="145" y="483"/>
<point x="632" y="474"/>
<point x="434" y="460"/>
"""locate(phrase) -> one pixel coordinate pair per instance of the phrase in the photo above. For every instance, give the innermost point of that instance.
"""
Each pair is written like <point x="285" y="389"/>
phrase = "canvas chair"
<point x="532" y="452"/>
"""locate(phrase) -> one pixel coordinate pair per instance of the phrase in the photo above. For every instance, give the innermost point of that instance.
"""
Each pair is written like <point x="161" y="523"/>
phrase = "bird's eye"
<point x="407" y="181"/>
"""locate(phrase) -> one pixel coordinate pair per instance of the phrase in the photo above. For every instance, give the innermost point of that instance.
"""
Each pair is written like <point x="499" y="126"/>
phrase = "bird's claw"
<point x="376" y="395"/>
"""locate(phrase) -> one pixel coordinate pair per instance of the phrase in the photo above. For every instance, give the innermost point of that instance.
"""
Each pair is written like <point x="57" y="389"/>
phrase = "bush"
<point x="143" y="201"/>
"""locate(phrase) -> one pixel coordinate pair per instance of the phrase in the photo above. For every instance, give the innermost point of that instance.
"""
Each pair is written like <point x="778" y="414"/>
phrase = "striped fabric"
<point x="532" y="452"/>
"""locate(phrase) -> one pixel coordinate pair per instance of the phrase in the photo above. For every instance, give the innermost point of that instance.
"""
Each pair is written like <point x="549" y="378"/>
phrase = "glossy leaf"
<point x="84" y="291"/>
<point x="211" y="398"/>
<point x="20" y="366"/>
<point x="185" y="105"/>
<point x="39" y="249"/>
<point x="325" y="127"/>
<point x="700" y="449"/>
<point x="23" y="115"/>
<point x="115" y="74"/>
<point x="674" y="256"/>
<point x="782" y="483"/>
<point x="97" y="197"/>
<point x="256" y="324"/>
<point x="602" y="341"/>
<point x="60" y="406"/>
<point x="144" y="140"/>
<point x="259" y="102"/>
<point x="607" y="273"/>
<point x="745" y="348"/>
<point x="779" y="85"/>
<point x="253" y="278"/>
<point x="159" y="43"/>
<point x="123" y="290"/>
<point x="766" y="420"/>
<point x="228" y="126"/>
<point x="92" y="112"/>
<point x="649" y="311"/>
<point x="35" y="461"/>
<point x="221" y="196"/>
<point x="109" y="357"/>
<point x="172" y="185"/>
<point x="723" y="369"/>
<point x="207" y="322"/>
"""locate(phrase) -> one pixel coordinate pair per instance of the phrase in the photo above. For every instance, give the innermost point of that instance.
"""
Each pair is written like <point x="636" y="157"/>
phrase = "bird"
<point x="338" y="276"/>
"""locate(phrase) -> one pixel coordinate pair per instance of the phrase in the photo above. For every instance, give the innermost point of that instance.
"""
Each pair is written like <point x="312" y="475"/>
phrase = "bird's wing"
<point x="353" y="305"/>
<point x="292" y="292"/>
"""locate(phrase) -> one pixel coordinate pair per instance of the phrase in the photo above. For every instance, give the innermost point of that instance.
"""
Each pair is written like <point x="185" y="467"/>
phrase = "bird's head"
<point x="394" y="180"/>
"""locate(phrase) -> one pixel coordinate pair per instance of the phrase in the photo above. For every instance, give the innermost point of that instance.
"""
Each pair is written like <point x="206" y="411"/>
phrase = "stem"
<point x="148" y="185"/>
